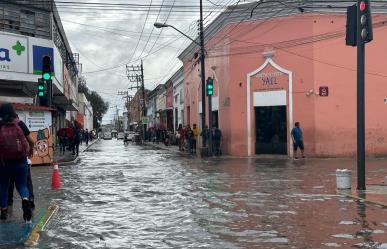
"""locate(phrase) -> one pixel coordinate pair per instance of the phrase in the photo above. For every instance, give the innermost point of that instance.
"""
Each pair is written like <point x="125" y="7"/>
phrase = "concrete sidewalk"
<point x="68" y="157"/>
<point x="14" y="232"/>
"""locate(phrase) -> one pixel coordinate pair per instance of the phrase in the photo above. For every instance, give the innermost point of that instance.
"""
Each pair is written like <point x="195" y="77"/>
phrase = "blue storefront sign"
<point x="40" y="52"/>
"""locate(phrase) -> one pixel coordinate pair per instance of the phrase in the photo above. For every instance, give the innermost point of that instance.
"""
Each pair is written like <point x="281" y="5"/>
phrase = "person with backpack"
<point x="16" y="144"/>
<point x="76" y="141"/>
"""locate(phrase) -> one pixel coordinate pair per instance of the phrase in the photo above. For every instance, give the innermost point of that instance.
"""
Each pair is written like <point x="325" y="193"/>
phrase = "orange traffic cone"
<point x="56" y="176"/>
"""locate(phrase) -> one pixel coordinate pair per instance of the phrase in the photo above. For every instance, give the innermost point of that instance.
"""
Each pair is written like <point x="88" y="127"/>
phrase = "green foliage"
<point x="100" y="107"/>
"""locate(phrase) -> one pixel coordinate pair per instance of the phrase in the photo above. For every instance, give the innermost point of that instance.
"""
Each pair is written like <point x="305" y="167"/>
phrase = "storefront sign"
<point x="40" y="52"/>
<point x="13" y="54"/>
<point x="269" y="79"/>
<point x="323" y="91"/>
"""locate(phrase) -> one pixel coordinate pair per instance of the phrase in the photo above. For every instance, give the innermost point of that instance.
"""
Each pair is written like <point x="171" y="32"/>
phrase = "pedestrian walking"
<point x="188" y="138"/>
<point x="180" y="137"/>
<point x="298" y="141"/>
<point x="216" y="140"/>
<point x="16" y="144"/>
<point x="62" y="138"/>
<point x="76" y="141"/>
<point x="29" y="186"/>
<point x="195" y="135"/>
<point x="87" y="136"/>
<point x="205" y="135"/>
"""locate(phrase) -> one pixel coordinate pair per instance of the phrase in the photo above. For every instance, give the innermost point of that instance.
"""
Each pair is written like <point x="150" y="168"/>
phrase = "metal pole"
<point x="203" y="68"/>
<point x="143" y="97"/>
<point x="361" y="184"/>
<point x="210" y="146"/>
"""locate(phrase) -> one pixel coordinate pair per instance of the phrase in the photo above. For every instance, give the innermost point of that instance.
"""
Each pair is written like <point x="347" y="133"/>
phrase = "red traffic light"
<point x="363" y="6"/>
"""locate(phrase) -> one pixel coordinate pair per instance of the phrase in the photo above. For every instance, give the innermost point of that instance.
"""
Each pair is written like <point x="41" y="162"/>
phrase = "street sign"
<point x="145" y="120"/>
<point x="323" y="91"/>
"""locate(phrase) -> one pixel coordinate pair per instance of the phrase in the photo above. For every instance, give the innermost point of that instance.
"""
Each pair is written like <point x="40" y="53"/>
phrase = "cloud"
<point x="108" y="38"/>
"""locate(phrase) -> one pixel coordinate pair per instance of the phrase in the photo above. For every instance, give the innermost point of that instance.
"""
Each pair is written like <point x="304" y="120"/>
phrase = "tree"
<point x="100" y="107"/>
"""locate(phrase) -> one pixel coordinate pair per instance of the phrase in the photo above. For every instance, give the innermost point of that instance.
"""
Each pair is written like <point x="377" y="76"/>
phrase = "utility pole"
<point x="203" y="68"/>
<point x="136" y="74"/>
<point x="127" y="98"/>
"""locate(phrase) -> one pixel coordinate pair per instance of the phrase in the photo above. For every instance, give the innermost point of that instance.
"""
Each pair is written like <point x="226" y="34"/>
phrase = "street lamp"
<point x="160" y="25"/>
<point x="203" y="68"/>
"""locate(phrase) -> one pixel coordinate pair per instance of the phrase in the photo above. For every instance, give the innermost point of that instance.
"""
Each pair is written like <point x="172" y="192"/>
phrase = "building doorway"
<point x="270" y="130"/>
<point x="215" y="119"/>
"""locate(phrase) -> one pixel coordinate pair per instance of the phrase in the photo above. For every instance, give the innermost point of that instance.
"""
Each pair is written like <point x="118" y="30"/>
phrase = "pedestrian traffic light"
<point x="46" y="68"/>
<point x="210" y="86"/>
<point x="365" y="21"/>
<point x="41" y="88"/>
<point x="351" y="27"/>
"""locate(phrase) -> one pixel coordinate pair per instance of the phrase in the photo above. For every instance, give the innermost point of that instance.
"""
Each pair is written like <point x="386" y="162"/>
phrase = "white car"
<point x="107" y="136"/>
<point x="120" y="135"/>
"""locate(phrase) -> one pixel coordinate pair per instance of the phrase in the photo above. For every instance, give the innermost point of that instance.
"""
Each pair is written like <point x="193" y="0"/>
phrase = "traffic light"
<point x="46" y="68"/>
<point x="351" y="27"/>
<point x="45" y="83"/>
<point x="42" y="92"/>
<point x="210" y="86"/>
<point x="365" y="21"/>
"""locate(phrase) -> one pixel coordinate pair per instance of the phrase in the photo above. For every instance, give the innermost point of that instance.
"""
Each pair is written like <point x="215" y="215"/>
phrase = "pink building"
<point x="278" y="62"/>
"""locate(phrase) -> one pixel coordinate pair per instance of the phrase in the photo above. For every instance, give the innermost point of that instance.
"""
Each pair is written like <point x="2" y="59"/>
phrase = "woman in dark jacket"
<point x="16" y="168"/>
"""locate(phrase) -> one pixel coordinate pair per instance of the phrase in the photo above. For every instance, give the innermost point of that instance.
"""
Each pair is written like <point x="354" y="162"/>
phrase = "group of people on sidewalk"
<point x="188" y="138"/>
<point x="70" y="138"/>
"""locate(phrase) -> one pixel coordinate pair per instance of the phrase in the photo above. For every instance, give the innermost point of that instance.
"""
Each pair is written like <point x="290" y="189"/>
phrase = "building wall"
<point x="178" y="101"/>
<point x="312" y="47"/>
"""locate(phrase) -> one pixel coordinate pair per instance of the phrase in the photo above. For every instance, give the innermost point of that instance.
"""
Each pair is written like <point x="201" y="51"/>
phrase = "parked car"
<point x="131" y="135"/>
<point x="120" y="135"/>
<point x="107" y="136"/>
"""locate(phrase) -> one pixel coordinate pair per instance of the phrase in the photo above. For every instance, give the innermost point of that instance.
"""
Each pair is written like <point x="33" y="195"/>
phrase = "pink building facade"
<point x="273" y="69"/>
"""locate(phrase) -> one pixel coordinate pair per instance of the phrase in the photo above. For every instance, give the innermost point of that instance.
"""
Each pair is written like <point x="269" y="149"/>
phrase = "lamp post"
<point x="202" y="57"/>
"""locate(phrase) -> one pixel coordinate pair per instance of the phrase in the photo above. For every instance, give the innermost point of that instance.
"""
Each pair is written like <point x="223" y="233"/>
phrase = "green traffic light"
<point x="41" y="88"/>
<point x="41" y="94"/>
<point x="210" y="87"/>
<point x="47" y="76"/>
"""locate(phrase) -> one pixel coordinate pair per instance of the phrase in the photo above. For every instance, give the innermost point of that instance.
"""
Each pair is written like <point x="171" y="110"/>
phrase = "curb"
<point x="65" y="163"/>
<point x="378" y="203"/>
<point x="34" y="236"/>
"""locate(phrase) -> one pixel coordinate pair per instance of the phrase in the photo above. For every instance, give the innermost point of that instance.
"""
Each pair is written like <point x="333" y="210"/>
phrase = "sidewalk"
<point x="68" y="157"/>
<point x="14" y="232"/>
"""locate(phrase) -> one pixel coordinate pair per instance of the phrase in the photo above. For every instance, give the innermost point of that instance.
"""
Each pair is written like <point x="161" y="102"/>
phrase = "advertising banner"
<point x="13" y="54"/>
<point x="39" y="123"/>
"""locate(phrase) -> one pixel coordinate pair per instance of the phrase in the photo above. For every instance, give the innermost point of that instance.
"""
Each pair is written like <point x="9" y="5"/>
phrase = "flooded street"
<point x="143" y="197"/>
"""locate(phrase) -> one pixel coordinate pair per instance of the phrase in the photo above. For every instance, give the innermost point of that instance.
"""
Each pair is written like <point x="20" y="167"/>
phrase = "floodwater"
<point x="134" y="197"/>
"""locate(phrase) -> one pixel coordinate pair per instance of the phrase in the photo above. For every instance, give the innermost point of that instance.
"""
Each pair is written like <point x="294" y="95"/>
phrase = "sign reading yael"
<point x="13" y="54"/>
<point x="269" y="79"/>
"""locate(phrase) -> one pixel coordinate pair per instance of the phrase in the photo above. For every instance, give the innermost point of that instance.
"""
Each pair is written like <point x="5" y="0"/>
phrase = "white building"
<point x="85" y="114"/>
<point x="178" y="100"/>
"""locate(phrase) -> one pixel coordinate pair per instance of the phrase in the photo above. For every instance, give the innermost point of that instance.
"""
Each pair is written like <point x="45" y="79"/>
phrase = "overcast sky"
<point x="107" y="37"/>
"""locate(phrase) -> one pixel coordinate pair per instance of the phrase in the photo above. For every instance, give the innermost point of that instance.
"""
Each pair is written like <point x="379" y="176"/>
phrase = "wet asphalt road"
<point x="136" y="197"/>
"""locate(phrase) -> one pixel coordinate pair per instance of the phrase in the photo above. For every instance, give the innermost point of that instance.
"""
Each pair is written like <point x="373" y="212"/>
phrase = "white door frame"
<point x="268" y="61"/>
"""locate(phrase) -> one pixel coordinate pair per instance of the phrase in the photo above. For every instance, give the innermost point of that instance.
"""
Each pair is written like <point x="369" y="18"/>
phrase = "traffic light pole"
<point x="361" y="182"/>
<point x="210" y="147"/>
<point x="203" y="68"/>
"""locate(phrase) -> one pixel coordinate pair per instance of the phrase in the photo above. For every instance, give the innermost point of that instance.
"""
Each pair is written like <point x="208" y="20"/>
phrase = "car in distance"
<point x="120" y="135"/>
<point x="107" y="136"/>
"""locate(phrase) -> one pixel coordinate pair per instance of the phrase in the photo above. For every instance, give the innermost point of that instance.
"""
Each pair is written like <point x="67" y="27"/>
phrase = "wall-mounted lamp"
<point x="310" y="92"/>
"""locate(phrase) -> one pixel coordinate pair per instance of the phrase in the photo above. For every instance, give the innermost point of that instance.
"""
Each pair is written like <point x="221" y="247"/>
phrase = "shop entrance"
<point x="270" y="130"/>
